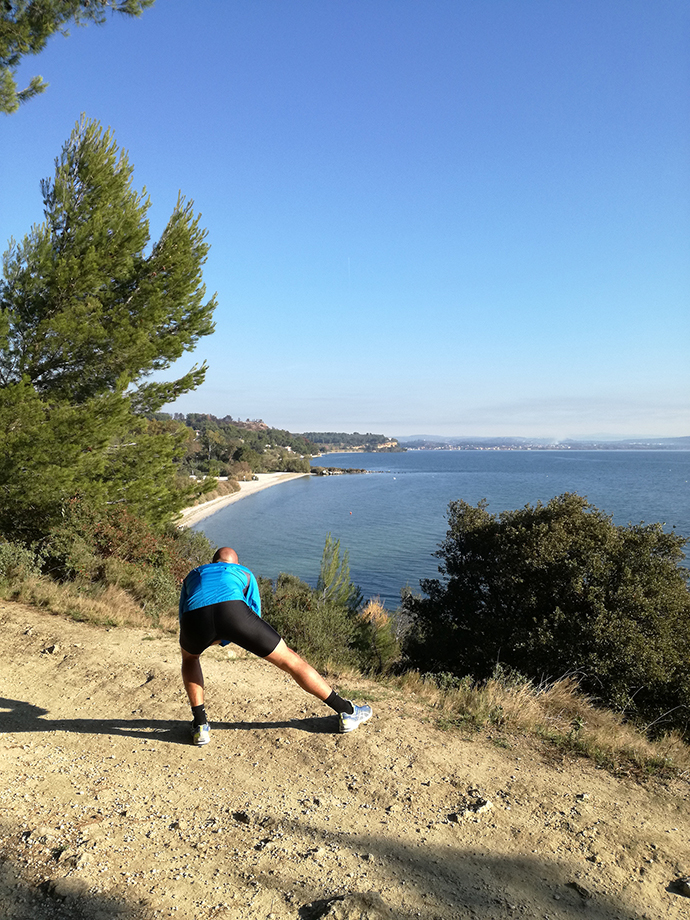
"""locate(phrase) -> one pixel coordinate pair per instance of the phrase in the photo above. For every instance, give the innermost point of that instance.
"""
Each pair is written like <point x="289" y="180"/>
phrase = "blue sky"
<point x="467" y="218"/>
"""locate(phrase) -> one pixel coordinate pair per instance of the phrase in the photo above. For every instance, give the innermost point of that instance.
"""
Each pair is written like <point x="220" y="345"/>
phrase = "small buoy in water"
<point x="350" y="512"/>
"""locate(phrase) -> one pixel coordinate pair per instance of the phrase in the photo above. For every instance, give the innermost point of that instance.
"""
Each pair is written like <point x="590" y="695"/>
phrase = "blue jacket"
<point x="216" y="582"/>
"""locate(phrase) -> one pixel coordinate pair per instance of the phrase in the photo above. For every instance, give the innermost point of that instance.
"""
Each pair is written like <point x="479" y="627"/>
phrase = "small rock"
<point x="64" y="889"/>
<point x="581" y="890"/>
<point x="242" y="817"/>
<point x="365" y="906"/>
<point x="43" y="834"/>
<point x="478" y="806"/>
<point x="682" y="886"/>
<point x="50" y="650"/>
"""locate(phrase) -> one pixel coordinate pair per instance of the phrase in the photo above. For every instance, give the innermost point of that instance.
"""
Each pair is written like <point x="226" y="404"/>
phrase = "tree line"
<point x="332" y="441"/>
<point x="230" y="447"/>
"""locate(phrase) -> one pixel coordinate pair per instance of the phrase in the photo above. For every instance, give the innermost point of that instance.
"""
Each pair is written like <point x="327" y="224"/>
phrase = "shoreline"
<point x="191" y="516"/>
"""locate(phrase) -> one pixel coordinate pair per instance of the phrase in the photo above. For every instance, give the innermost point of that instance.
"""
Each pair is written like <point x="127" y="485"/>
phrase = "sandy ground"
<point x="198" y="513"/>
<point x="109" y="812"/>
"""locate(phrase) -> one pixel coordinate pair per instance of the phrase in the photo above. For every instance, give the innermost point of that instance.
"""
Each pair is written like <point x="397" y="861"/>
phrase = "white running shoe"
<point x="349" y="721"/>
<point x="201" y="734"/>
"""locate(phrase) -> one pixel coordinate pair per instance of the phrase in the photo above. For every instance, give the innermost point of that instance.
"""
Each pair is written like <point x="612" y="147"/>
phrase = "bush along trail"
<point x="108" y="811"/>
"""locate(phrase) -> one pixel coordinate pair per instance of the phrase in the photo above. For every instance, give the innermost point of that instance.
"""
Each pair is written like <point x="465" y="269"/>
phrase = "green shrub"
<point x="322" y="624"/>
<point x="558" y="589"/>
<point x="96" y="548"/>
<point x="317" y="629"/>
<point x="155" y="589"/>
<point x="375" y="640"/>
<point x="86" y="537"/>
<point x="334" y="584"/>
<point x="17" y="563"/>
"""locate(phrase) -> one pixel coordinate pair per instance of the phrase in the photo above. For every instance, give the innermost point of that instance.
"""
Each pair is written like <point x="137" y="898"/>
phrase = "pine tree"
<point x="87" y="313"/>
<point x="26" y="26"/>
<point x="334" y="584"/>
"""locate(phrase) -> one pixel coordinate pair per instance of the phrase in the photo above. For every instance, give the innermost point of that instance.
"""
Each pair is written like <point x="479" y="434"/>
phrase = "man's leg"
<point x="300" y="671"/>
<point x="349" y="715"/>
<point x="193" y="679"/>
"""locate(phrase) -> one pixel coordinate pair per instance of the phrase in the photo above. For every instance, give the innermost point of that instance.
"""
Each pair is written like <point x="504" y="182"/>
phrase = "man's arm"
<point x="252" y="597"/>
<point x="183" y="599"/>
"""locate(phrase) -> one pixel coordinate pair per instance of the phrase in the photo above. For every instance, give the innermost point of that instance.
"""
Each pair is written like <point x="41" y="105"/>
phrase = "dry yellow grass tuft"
<point x="557" y="712"/>
<point x="109" y="606"/>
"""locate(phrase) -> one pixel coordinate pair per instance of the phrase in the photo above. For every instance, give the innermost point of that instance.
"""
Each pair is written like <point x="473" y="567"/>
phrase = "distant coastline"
<point x="434" y="442"/>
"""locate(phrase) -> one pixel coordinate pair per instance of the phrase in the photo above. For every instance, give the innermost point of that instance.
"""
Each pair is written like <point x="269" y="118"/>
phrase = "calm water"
<point x="392" y="520"/>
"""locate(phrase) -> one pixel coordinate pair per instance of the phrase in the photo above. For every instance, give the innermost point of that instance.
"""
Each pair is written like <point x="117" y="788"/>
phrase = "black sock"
<point x="338" y="704"/>
<point x="199" y="714"/>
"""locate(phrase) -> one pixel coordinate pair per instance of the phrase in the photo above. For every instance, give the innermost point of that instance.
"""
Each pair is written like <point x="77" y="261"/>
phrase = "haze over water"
<point x="393" y="520"/>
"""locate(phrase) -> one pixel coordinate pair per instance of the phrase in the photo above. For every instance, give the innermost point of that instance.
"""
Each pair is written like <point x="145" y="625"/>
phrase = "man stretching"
<point x="220" y="604"/>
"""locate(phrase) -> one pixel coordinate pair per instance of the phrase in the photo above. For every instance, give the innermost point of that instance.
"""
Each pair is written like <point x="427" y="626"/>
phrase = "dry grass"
<point x="108" y="606"/>
<point x="375" y="613"/>
<point x="557" y="712"/>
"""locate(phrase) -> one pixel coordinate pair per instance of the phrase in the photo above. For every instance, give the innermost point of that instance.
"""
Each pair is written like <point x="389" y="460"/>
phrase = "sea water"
<point x="392" y="519"/>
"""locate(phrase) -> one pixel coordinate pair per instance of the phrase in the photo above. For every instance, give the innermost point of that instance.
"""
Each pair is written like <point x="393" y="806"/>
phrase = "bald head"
<point x="225" y="554"/>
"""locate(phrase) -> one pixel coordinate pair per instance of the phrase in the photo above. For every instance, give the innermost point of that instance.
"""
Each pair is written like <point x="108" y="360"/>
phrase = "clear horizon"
<point x="447" y="216"/>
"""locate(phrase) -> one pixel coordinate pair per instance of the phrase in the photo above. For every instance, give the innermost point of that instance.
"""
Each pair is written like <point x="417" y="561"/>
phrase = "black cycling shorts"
<point x="233" y="621"/>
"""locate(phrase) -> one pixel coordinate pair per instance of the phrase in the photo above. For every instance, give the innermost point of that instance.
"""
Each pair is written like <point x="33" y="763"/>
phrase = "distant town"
<point x="431" y="442"/>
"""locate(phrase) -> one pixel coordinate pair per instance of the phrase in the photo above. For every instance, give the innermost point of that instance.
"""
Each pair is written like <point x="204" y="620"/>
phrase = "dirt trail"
<point x="108" y="811"/>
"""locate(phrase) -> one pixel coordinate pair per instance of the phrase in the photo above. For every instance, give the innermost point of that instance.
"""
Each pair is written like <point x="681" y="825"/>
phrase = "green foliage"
<point x="557" y="589"/>
<point x="89" y="311"/>
<point x="225" y="447"/>
<point x="91" y="552"/>
<point x="97" y="548"/>
<point x="324" y="624"/>
<point x="375" y="639"/>
<point x="320" y="631"/>
<point x="86" y="315"/>
<point x="334" y="584"/>
<point x="17" y="562"/>
<point x="26" y="26"/>
<point x="154" y="587"/>
<point x="87" y="537"/>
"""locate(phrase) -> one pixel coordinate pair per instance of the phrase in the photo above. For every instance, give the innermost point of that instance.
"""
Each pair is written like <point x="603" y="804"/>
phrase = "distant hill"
<point x="439" y="442"/>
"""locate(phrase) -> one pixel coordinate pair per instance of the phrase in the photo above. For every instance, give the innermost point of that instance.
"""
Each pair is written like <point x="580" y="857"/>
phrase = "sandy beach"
<point x="198" y="513"/>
